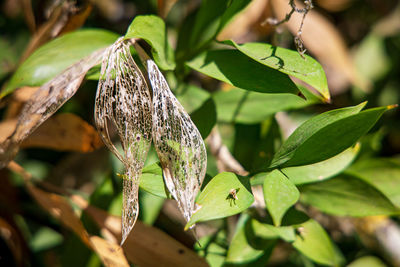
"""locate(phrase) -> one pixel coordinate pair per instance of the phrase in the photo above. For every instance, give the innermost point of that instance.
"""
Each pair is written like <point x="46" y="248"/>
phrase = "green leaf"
<point x="212" y="248"/>
<point x="289" y="62"/>
<point x="57" y="55"/>
<point x="152" y="180"/>
<point x="201" y="107"/>
<point x="381" y="173"/>
<point x="367" y="261"/>
<point x="322" y="170"/>
<point x="205" y="118"/>
<point x="201" y="28"/>
<point x="254" y="145"/>
<point x="315" y="243"/>
<point x="44" y="239"/>
<point x="225" y="195"/>
<point x="150" y="206"/>
<point x="233" y="67"/>
<point x="346" y="195"/>
<point x="326" y="135"/>
<point x="279" y="195"/>
<point x="192" y="97"/>
<point x="246" y="248"/>
<point x="241" y="106"/>
<point x="152" y="29"/>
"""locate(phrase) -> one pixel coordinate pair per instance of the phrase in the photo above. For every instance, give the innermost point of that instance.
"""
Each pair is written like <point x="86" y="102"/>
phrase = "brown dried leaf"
<point x="13" y="240"/>
<point x="65" y="132"/>
<point x="60" y="209"/>
<point x="334" y="5"/>
<point x="18" y="100"/>
<point x="64" y="17"/>
<point x="47" y="100"/>
<point x="247" y="23"/>
<point x="322" y="39"/>
<point x="146" y="246"/>
<point x="109" y="253"/>
<point x="7" y="127"/>
<point x="164" y="6"/>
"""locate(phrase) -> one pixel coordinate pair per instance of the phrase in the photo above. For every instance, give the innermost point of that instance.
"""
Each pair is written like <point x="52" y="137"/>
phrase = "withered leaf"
<point x="123" y="100"/>
<point x="178" y="143"/>
<point x="45" y="102"/>
<point x="65" y="132"/>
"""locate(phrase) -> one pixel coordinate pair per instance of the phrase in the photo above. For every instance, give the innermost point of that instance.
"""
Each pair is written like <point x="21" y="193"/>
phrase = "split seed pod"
<point x="178" y="143"/>
<point x="123" y="99"/>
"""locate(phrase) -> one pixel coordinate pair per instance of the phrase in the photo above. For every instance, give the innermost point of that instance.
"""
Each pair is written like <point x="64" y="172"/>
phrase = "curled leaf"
<point x="45" y="102"/>
<point x="123" y="100"/>
<point x="178" y="143"/>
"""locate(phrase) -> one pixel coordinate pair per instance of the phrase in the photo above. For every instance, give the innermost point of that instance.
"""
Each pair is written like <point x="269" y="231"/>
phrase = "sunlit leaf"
<point x="279" y="195"/>
<point x="322" y="170"/>
<point x="313" y="140"/>
<point x="152" y="29"/>
<point x="381" y="173"/>
<point x="315" y="243"/>
<point x="225" y="195"/>
<point x="232" y="67"/>
<point x="241" y="106"/>
<point x="347" y="196"/>
<point x="57" y="55"/>
<point x="288" y="62"/>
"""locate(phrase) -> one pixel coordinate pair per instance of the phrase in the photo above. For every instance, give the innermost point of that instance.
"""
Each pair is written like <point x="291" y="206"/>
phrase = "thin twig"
<point x="225" y="160"/>
<point x="297" y="40"/>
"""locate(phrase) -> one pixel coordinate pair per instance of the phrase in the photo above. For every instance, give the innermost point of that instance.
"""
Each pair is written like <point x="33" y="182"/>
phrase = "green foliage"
<point x="328" y="166"/>
<point x="289" y="62"/>
<point x="279" y="195"/>
<point x="225" y="195"/>
<point x="152" y="29"/>
<point x="55" y="56"/>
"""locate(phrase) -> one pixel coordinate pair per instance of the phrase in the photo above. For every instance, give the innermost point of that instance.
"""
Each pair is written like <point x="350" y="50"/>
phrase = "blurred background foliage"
<point x="357" y="43"/>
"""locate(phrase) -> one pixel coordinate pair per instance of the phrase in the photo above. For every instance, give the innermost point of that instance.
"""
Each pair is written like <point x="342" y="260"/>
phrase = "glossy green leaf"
<point x="326" y="135"/>
<point x="152" y="29"/>
<point x="241" y="106"/>
<point x="381" y="173"/>
<point x="225" y="195"/>
<point x="322" y="170"/>
<point x="346" y="195"/>
<point x="289" y="62"/>
<point x="279" y="195"/>
<point x="57" y="55"/>
<point x="315" y="243"/>
<point x="152" y="180"/>
<point x="246" y="248"/>
<point x="367" y="261"/>
<point x="232" y="67"/>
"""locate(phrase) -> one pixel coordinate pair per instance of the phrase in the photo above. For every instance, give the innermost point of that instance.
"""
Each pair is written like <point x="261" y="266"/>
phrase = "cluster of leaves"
<point x="327" y="164"/>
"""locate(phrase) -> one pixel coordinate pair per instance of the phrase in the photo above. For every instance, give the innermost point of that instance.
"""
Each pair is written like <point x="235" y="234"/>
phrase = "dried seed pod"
<point x="178" y="143"/>
<point x="45" y="102"/>
<point x="123" y="100"/>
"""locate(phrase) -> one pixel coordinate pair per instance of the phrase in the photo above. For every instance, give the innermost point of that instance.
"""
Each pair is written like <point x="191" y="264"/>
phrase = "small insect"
<point x="232" y="196"/>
